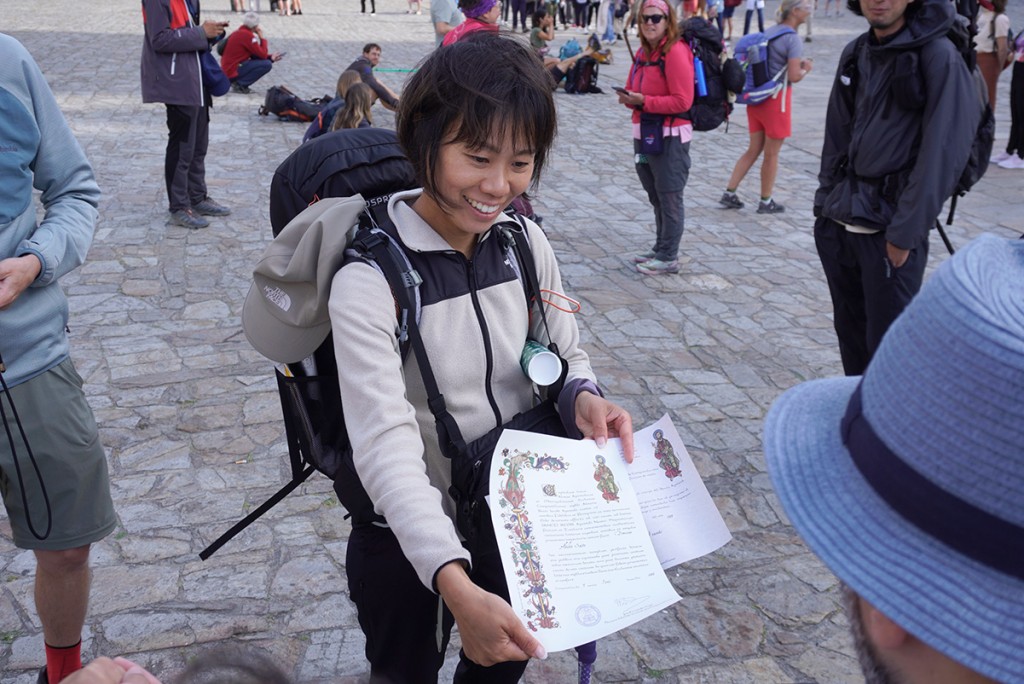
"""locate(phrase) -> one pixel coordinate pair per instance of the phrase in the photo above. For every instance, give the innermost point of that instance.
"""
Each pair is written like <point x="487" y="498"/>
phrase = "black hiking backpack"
<point x="287" y="106"/>
<point x="721" y="77"/>
<point x="582" y="77"/>
<point x="370" y="163"/>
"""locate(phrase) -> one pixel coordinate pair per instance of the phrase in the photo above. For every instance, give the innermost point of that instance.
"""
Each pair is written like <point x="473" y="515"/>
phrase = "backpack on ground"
<point x="961" y="35"/>
<point x="582" y="77"/>
<point x="711" y="104"/>
<point x="288" y="106"/>
<point x="751" y="52"/>
<point x="364" y="167"/>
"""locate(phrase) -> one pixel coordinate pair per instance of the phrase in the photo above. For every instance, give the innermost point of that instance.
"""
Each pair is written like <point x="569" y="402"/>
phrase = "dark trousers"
<point x="185" y="162"/>
<point x="252" y="70"/>
<point x="518" y="13"/>
<point x="760" y="21"/>
<point x="868" y="293"/>
<point x="373" y="6"/>
<point x="1015" y="144"/>
<point x="664" y="178"/>
<point x="399" y="616"/>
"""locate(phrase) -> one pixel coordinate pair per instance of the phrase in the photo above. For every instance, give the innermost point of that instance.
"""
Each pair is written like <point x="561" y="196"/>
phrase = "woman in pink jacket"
<point x="659" y="90"/>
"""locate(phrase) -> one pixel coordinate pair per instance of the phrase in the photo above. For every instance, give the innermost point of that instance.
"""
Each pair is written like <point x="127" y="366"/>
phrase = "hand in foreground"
<point x="491" y="631"/>
<point x="597" y="418"/>
<point x="107" y="671"/>
<point x="16" y="274"/>
<point x="897" y="256"/>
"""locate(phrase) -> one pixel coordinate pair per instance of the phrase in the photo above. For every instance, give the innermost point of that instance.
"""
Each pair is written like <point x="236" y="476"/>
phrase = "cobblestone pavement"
<point x="190" y="416"/>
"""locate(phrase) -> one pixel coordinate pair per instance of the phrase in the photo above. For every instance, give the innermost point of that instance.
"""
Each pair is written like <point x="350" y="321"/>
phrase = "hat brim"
<point x="969" y="612"/>
<point x="273" y="338"/>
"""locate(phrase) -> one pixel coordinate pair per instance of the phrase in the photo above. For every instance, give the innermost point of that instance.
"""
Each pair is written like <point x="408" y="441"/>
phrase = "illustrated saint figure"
<point x="666" y="455"/>
<point x="606" y="480"/>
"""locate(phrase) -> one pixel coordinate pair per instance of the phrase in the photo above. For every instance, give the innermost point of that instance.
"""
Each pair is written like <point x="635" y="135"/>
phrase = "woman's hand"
<point x="491" y="631"/>
<point x="631" y="99"/>
<point x="597" y="418"/>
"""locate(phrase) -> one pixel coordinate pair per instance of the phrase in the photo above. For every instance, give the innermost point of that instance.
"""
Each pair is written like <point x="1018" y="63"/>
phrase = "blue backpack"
<point x="751" y="52"/>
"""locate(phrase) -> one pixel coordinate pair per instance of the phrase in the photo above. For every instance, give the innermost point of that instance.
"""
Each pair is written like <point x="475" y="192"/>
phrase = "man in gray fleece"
<point x="53" y="469"/>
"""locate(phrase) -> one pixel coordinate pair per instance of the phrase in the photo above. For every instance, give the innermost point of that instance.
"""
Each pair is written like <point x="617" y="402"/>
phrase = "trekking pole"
<point x="945" y="238"/>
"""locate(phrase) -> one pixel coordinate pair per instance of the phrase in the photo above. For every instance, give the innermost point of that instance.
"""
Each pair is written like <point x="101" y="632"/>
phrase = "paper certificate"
<point x="575" y="533"/>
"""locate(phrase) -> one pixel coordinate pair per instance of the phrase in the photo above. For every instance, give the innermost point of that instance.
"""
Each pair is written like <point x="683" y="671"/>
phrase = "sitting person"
<point x="322" y="123"/>
<point x="364" y="66"/>
<point x="481" y="15"/>
<point x="543" y="31"/>
<point x="356" y="112"/>
<point x="558" y="68"/>
<point x="246" y="58"/>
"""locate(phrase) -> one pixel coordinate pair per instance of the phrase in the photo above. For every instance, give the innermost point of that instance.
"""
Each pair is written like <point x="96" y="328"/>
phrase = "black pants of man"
<point x="868" y="292"/>
<point x="185" y="163"/>
<point x="399" y="616"/>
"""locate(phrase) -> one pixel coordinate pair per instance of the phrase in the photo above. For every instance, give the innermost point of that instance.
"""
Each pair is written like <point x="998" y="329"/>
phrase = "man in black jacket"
<point x="901" y="120"/>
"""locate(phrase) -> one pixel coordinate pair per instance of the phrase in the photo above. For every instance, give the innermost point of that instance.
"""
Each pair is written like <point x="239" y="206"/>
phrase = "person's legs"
<point x="888" y="290"/>
<point x="1015" y="143"/>
<point x="749" y="16"/>
<point x="646" y="176"/>
<point x="398" y="615"/>
<point x="988" y="65"/>
<point x="842" y="271"/>
<point x="670" y="171"/>
<point x="770" y="166"/>
<point x="746" y="160"/>
<point x="181" y="127"/>
<point x="197" y="169"/>
<point x="58" y="504"/>
<point x="760" y="16"/>
<point x="252" y="70"/>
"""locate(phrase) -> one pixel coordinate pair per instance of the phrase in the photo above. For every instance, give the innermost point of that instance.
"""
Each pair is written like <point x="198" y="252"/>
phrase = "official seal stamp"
<point x="588" y="615"/>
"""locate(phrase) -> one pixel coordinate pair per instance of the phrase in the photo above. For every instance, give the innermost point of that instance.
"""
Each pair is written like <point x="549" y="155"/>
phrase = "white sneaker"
<point x="1013" y="162"/>
<point x="1002" y="156"/>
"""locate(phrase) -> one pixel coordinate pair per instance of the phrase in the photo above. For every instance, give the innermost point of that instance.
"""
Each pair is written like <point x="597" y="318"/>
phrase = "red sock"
<point x="61" y="661"/>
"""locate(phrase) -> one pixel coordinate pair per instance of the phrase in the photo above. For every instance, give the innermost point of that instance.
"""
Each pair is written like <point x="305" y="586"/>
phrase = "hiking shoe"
<point x="658" y="267"/>
<point x="729" y="200"/>
<point x="594" y="43"/>
<point x="770" y="207"/>
<point x="244" y="90"/>
<point x="187" y="219"/>
<point x="210" y="208"/>
<point x="643" y="256"/>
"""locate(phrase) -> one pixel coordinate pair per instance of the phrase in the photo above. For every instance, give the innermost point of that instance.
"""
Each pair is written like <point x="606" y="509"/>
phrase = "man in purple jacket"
<point x="171" y="73"/>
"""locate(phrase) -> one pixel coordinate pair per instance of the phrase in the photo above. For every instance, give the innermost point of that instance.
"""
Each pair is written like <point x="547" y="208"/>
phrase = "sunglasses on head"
<point x="653" y="18"/>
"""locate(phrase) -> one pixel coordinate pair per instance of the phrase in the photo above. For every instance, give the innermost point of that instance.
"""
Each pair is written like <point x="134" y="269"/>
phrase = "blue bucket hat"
<point x="908" y="483"/>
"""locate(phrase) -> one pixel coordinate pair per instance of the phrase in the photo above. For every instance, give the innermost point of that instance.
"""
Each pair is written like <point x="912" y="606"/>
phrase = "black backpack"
<point x="709" y="111"/>
<point x="582" y="77"/>
<point x="288" y="106"/>
<point x="368" y="162"/>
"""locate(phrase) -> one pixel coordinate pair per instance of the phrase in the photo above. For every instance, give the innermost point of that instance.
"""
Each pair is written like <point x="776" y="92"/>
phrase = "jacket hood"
<point x="932" y="20"/>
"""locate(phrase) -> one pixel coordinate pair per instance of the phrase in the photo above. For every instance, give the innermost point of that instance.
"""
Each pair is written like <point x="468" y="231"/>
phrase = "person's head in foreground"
<point x="909" y="482"/>
<point x="232" y="666"/>
<point x="476" y="121"/>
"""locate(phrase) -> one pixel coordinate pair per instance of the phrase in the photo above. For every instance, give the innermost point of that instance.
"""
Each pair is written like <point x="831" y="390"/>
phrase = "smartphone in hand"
<point x="620" y="90"/>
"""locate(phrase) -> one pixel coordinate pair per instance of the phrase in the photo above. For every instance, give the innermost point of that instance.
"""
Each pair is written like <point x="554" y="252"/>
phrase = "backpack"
<point x="582" y="77"/>
<point x="961" y="35"/>
<point x="719" y="78"/>
<point x="751" y="52"/>
<point x="366" y="162"/>
<point x="287" y="106"/>
<point x="570" y="49"/>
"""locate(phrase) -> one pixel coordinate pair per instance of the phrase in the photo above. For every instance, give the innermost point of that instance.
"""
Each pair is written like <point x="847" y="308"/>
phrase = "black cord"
<point x="31" y="456"/>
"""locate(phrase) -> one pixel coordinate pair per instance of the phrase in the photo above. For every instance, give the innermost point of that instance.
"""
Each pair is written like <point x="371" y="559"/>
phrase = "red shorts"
<point x="769" y="117"/>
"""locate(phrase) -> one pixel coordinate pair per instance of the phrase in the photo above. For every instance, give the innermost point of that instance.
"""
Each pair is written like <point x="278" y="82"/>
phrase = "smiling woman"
<point x="476" y="121"/>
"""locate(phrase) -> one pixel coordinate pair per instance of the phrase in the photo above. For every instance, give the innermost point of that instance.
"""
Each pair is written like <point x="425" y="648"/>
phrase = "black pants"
<point x="185" y="162"/>
<point x="399" y="615"/>
<point x="868" y="293"/>
<point x="373" y="6"/>
<point x="1015" y="144"/>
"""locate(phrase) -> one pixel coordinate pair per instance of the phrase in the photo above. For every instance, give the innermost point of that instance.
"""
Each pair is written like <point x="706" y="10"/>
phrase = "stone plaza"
<point x="190" y="416"/>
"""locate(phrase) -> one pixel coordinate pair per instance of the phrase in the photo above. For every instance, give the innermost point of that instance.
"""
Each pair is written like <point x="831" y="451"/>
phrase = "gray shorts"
<point x="65" y="444"/>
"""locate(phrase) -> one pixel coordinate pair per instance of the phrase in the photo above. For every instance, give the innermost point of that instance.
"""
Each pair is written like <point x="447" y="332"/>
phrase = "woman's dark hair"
<point x="471" y="91"/>
<point x="538" y="17"/>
